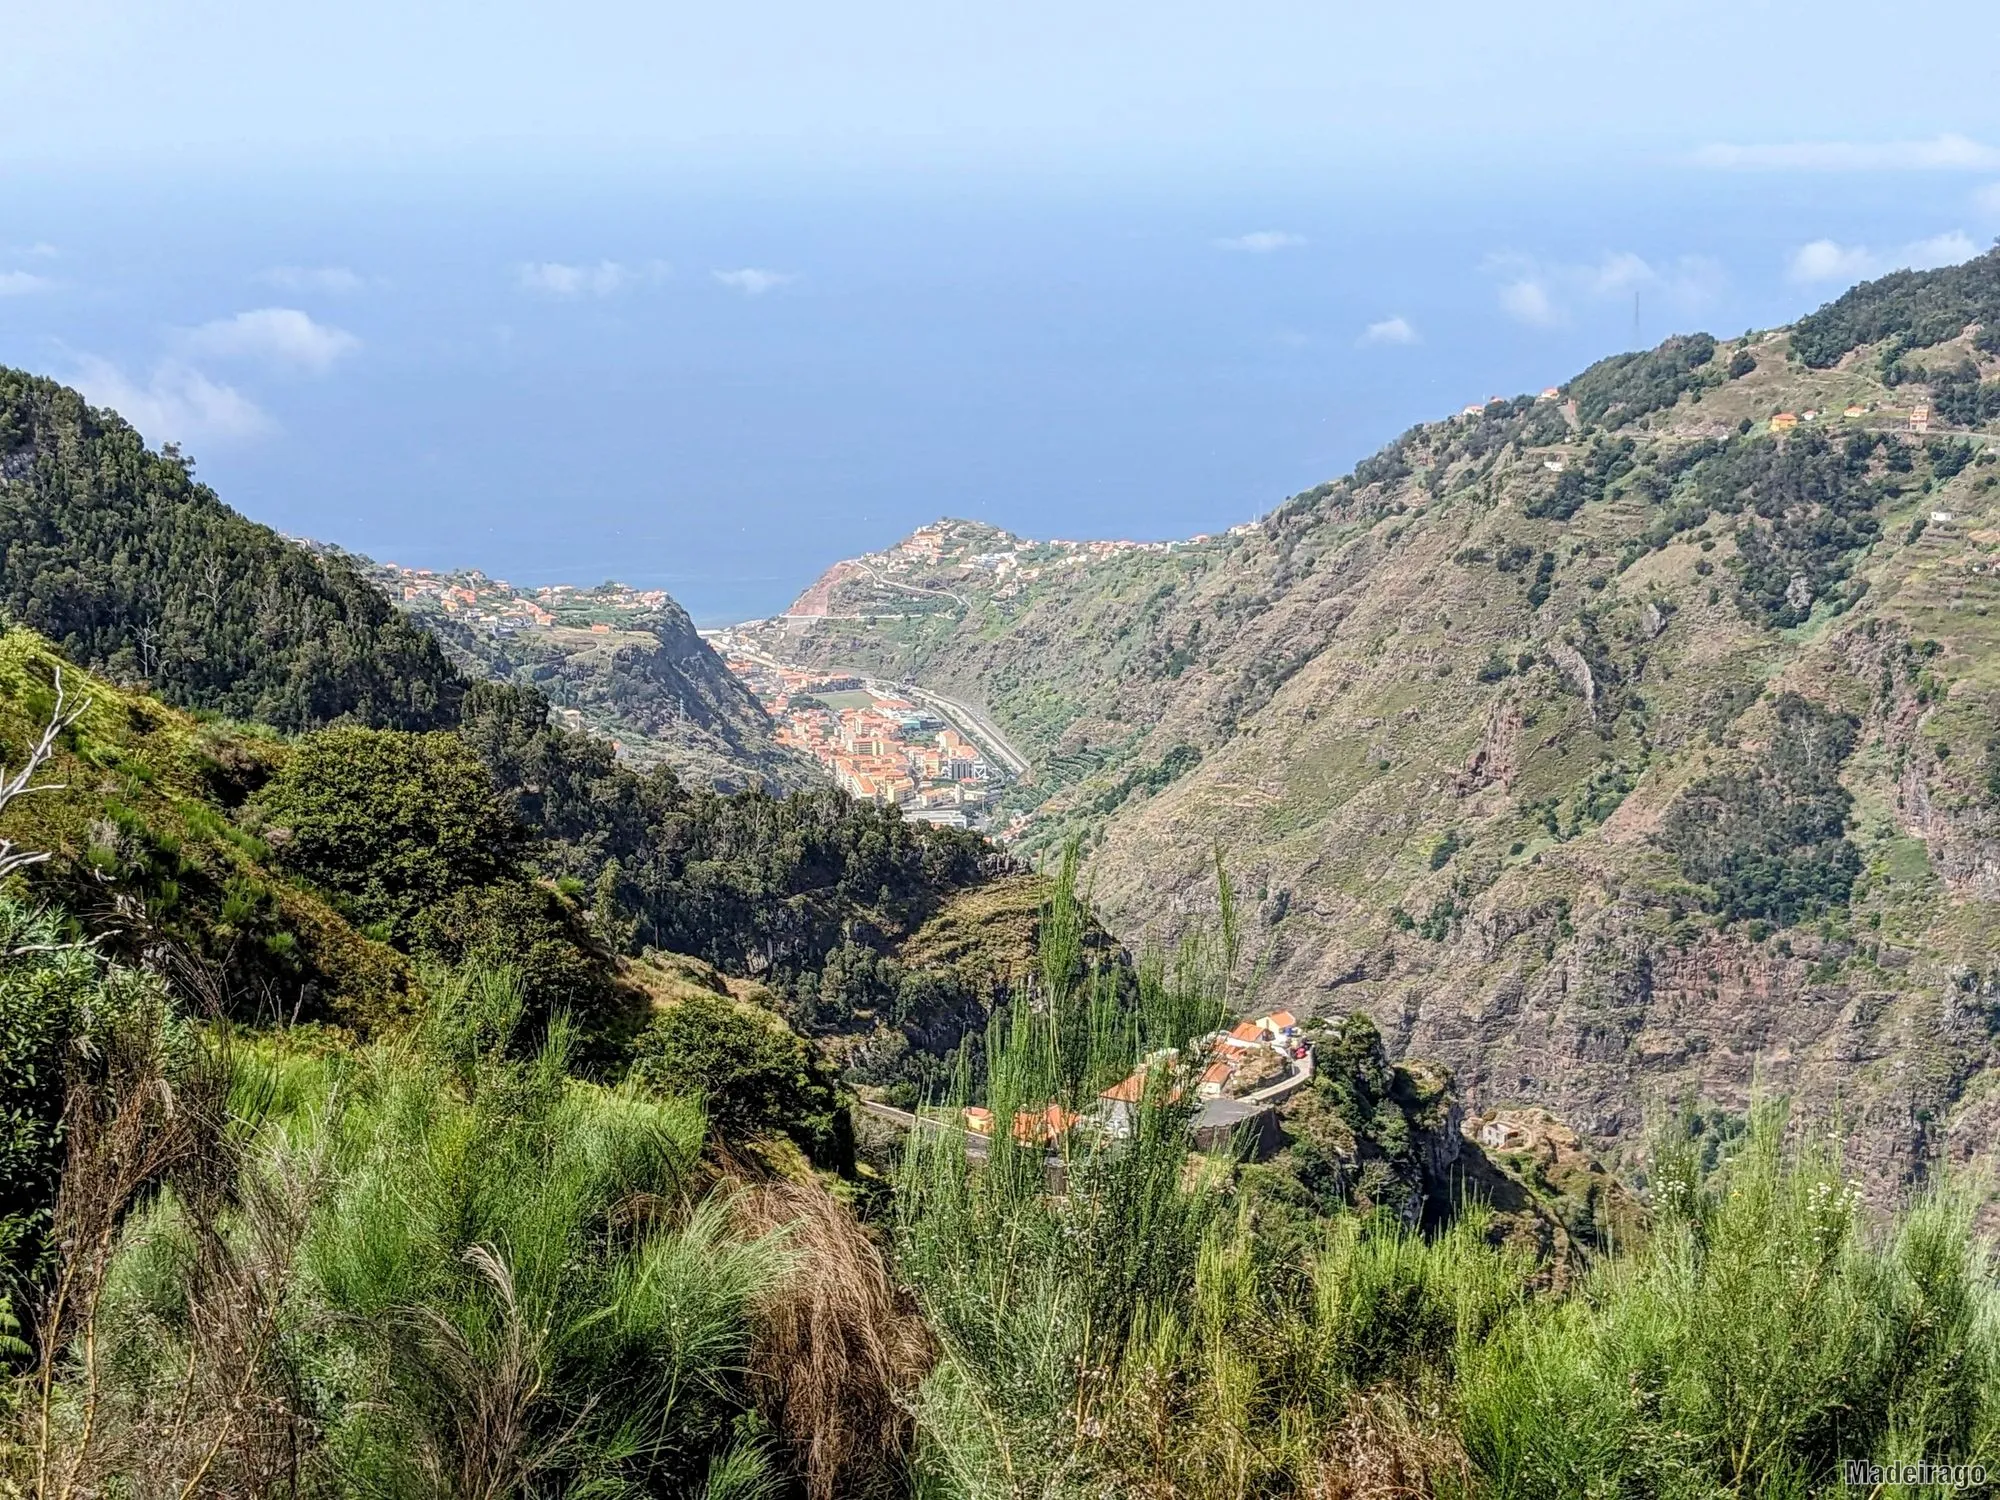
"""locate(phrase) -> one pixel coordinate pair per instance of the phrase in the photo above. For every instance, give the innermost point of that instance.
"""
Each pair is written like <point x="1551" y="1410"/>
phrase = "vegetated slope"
<point x="1604" y="747"/>
<point x="137" y="810"/>
<point x="626" y="665"/>
<point x="268" y="1259"/>
<point x="309" y="880"/>
<point x="813" y="895"/>
<point x="117" y="554"/>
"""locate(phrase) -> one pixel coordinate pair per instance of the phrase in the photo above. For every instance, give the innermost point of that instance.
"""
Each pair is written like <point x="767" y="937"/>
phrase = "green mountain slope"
<point x="1604" y="747"/>
<point x="118" y="555"/>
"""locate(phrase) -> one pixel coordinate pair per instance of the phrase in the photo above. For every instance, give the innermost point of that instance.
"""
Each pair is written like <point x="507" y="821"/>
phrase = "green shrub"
<point x="1770" y="839"/>
<point x="1626" y="387"/>
<point x="451" y="1271"/>
<point x="755" y="1076"/>
<point x="390" y="821"/>
<point x="1756" y="1341"/>
<point x="1908" y="309"/>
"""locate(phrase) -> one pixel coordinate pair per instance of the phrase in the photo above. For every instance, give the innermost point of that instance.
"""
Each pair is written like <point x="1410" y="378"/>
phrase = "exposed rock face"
<point x="1498" y="756"/>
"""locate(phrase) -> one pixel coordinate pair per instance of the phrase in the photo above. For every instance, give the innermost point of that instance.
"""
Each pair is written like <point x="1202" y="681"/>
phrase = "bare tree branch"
<point x="21" y="783"/>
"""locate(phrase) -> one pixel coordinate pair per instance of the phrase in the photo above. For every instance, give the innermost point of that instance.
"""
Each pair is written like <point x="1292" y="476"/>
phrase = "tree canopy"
<point x="114" y="551"/>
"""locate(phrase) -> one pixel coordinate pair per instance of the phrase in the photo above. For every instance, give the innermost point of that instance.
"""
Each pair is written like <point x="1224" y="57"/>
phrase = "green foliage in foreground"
<point x="445" y="1267"/>
<point x="755" y="1075"/>
<point x="58" y="999"/>
<point x="1759" y="1338"/>
<point x="1141" y="1332"/>
<point x="428" y="1270"/>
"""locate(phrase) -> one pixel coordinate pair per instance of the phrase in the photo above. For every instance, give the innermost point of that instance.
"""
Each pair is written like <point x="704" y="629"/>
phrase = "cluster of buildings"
<point x="1013" y="562"/>
<point x="1785" y="421"/>
<point x="496" y="606"/>
<point x="878" y="747"/>
<point x="1251" y="1066"/>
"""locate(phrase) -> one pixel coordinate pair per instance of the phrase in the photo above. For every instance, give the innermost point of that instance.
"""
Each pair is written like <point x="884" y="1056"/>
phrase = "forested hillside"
<point x="116" y="553"/>
<point x="1628" y="743"/>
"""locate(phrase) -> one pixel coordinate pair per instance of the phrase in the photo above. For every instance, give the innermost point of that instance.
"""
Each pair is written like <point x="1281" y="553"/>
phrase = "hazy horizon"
<point x="549" y="301"/>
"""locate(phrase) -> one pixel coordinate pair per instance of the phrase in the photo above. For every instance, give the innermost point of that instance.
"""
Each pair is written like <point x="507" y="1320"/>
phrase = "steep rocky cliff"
<point x="1633" y="742"/>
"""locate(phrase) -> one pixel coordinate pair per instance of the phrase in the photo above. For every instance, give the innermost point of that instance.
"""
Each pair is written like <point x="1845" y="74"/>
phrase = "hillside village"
<point x="921" y="574"/>
<point x="497" y="607"/>
<point x="1253" y="1066"/>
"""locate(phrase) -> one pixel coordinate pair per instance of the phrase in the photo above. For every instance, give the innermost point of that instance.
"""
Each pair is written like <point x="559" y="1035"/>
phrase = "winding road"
<point x="973" y="723"/>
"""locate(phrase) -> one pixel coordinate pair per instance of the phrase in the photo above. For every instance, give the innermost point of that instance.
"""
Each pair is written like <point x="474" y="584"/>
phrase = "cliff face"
<point x="1636" y="743"/>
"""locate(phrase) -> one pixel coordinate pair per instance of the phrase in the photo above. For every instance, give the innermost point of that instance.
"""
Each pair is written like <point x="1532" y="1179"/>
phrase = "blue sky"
<point x="708" y="297"/>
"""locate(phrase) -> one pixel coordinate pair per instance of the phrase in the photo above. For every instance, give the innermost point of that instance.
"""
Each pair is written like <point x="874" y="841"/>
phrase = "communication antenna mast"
<point x="1637" y="341"/>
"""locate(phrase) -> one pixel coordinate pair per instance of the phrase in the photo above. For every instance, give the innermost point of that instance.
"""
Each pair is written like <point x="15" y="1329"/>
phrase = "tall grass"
<point x="1760" y="1337"/>
<point x="1119" y="1325"/>
<point x="1108" y="1320"/>
<point x="436" y="1269"/>
<point x="1033" y="1295"/>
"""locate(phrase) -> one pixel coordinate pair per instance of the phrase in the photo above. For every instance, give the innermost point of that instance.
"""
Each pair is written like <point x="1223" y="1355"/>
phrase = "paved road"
<point x="912" y="588"/>
<point x="975" y="724"/>
<point x="971" y="722"/>
<point x="975" y="1144"/>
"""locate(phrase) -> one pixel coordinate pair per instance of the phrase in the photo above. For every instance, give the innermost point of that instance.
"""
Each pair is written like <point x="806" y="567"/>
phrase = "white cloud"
<point x="23" y="283"/>
<point x="335" y="279"/>
<point x="1542" y="293"/>
<point x="1263" y="241"/>
<point x="176" y="403"/>
<point x="605" y="279"/>
<point x="1396" y="330"/>
<point x="1947" y="153"/>
<point x="1829" y="261"/>
<point x="1618" y="273"/>
<point x="752" y="282"/>
<point x="1947" y="249"/>
<point x="281" y="336"/>
<point x="1527" y="301"/>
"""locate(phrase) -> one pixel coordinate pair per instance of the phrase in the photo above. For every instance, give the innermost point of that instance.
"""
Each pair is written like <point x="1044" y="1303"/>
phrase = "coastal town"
<point x="494" y="605"/>
<point x="876" y="745"/>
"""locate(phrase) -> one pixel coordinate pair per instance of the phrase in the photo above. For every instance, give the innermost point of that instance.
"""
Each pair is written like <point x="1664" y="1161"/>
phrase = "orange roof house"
<point x="1784" y="421"/>
<point x="1128" y="1090"/>
<point x="1244" y="1034"/>
<point x="1031" y="1126"/>
<point x="1213" y="1077"/>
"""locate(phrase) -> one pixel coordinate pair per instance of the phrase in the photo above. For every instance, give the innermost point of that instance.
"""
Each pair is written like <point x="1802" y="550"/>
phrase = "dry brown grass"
<point x="1386" y="1448"/>
<point x="229" y="1424"/>
<point x="839" y="1349"/>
